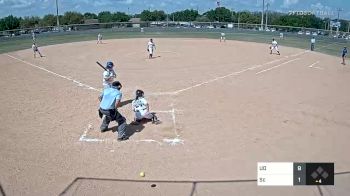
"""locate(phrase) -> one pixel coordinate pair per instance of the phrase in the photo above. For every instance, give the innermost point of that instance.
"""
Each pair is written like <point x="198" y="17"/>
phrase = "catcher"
<point x="141" y="108"/>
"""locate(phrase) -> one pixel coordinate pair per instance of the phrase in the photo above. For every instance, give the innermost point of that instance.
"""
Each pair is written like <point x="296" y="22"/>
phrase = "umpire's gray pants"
<point x="111" y="115"/>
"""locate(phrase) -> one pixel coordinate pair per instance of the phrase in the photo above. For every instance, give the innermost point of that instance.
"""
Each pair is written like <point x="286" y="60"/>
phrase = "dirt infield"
<point x="224" y="107"/>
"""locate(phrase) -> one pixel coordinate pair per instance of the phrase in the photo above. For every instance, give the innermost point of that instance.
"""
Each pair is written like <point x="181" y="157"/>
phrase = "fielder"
<point x="274" y="46"/>
<point x="223" y="37"/>
<point x="141" y="108"/>
<point x="36" y="50"/>
<point x="33" y="37"/>
<point x="109" y="75"/>
<point x="99" y="38"/>
<point x="313" y="41"/>
<point x="344" y="53"/>
<point x="150" y="48"/>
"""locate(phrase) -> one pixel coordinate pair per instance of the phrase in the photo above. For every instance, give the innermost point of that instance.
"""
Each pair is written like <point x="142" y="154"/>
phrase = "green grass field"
<point x="323" y="44"/>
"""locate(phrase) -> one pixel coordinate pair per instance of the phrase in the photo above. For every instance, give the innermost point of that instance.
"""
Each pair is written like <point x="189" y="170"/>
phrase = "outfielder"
<point x="344" y="53"/>
<point x="99" y="38"/>
<point x="33" y="37"/>
<point x="141" y="108"/>
<point x="313" y="41"/>
<point x="274" y="46"/>
<point x="109" y="75"/>
<point x="223" y="37"/>
<point x="36" y="50"/>
<point x="150" y="48"/>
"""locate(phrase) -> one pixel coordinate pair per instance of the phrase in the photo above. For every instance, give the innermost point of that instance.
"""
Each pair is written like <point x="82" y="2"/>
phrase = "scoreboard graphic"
<point x="294" y="174"/>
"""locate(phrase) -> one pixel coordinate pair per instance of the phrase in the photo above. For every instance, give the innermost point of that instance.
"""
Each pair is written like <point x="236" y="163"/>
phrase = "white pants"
<point x="143" y="115"/>
<point x="150" y="50"/>
<point x="274" y="48"/>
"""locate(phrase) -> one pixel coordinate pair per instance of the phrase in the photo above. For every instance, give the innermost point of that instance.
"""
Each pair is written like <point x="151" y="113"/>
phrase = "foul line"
<point x="274" y="67"/>
<point x="56" y="74"/>
<point x="226" y="76"/>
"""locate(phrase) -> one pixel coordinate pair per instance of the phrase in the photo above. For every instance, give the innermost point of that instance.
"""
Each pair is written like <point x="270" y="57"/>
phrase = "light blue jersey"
<point x="109" y="97"/>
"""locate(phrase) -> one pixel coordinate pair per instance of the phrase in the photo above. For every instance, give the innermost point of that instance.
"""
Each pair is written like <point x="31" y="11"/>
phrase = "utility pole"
<point x="239" y="18"/>
<point x="267" y="12"/>
<point x="338" y="10"/>
<point x="58" y="20"/>
<point x="262" y="16"/>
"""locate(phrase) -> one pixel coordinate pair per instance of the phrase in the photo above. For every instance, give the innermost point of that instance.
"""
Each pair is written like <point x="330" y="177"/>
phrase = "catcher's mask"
<point x="139" y="93"/>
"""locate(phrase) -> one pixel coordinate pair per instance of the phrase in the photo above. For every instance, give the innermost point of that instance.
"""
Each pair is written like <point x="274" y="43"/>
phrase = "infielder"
<point x="274" y="46"/>
<point x="99" y="38"/>
<point x="223" y="37"/>
<point x="109" y="75"/>
<point x="141" y="108"/>
<point x="36" y="50"/>
<point x="110" y="100"/>
<point x="150" y="48"/>
<point x="344" y="53"/>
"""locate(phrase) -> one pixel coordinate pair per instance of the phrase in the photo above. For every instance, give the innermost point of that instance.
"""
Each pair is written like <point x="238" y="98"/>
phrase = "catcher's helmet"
<point x="139" y="93"/>
<point x="109" y="64"/>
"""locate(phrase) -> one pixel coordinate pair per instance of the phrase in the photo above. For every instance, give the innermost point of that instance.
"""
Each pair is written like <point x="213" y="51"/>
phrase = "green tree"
<point x="220" y="14"/>
<point x="29" y="22"/>
<point x="9" y="22"/>
<point x="120" y="17"/>
<point x="72" y="18"/>
<point x="105" y="16"/>
<point x="48" y="20"/>
<point x="89" y="15"/>
<point x="153" y="16"/>
<point x="185" y="15"/>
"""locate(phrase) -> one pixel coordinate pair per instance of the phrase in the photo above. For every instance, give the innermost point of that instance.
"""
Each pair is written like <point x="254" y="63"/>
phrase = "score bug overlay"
<point x="294" y="173"/>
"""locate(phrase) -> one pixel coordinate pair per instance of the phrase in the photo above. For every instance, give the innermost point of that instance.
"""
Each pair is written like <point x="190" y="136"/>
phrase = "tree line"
<point x="220" y="14"/>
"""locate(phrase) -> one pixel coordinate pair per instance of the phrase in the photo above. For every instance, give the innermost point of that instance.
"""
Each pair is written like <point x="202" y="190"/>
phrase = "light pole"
<point x="239" y="18"/>
<point x="267" y="11"/>
<point x="58" y="20"/>
<point x="262" y="16"/>
<point x="339" y="10"/>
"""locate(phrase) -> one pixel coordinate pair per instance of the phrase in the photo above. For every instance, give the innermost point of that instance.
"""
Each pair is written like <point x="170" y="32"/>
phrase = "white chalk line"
<point x="313" y="65"/>
<point x="171" y="93"/>
<point x="55" y="74"/>
<point x="274" y="67"/>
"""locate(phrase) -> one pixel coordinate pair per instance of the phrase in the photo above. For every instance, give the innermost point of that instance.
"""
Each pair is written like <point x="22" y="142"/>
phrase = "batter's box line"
<point x="171" y="141"/>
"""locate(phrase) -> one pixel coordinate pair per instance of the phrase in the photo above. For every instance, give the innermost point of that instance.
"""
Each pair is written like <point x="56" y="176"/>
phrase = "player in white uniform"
<point x="36" y="50"/>
<point x="150" y="48"/>
<point x="274" y="46"/>
<point x="99" y="38"/>
<point x="313" y="41"/>
<point x="109" y="75"/>
<point x="34" y="37"/>
<point x="141" y="108"/>
<point x="223" y="37"/>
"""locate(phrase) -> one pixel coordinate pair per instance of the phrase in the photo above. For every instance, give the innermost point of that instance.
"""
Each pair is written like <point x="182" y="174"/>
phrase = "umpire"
<point x="110" y="100"/>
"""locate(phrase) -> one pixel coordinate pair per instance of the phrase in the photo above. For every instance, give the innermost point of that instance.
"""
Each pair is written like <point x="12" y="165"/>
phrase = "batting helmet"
<point x="109" y="64"/>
